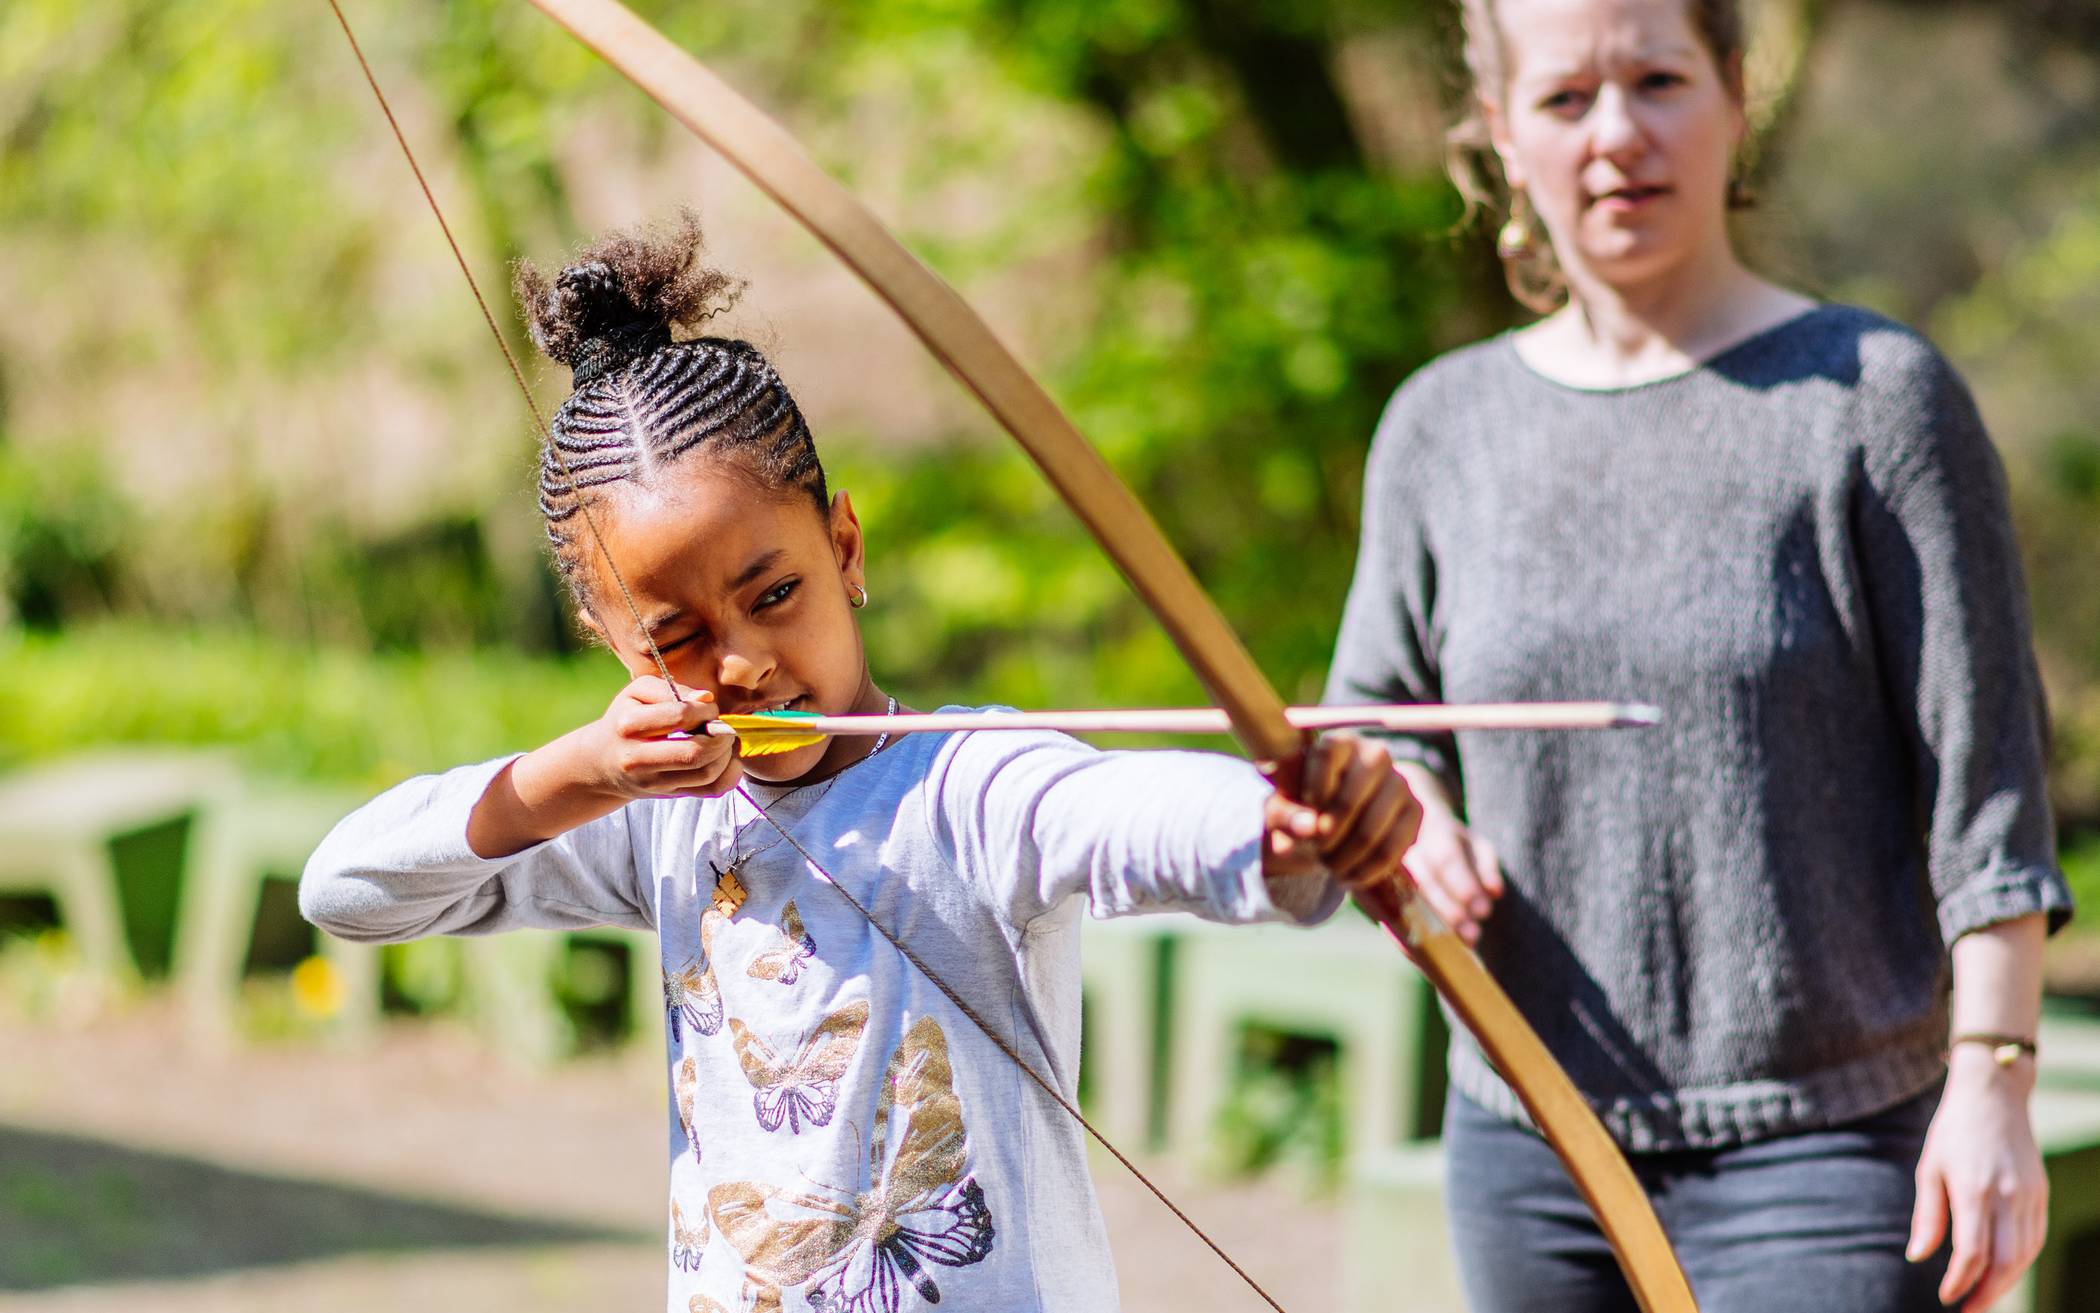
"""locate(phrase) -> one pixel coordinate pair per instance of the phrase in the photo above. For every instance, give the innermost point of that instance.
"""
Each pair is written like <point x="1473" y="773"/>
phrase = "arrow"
<point x="768" y="732"/>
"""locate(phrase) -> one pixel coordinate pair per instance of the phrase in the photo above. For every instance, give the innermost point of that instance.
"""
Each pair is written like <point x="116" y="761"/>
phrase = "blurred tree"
<point x="1220" y="226"/>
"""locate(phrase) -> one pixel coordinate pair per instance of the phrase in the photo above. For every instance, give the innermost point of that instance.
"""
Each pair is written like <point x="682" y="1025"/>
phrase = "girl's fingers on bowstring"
<point x="658" y="767"/>
<point x="646" y="709"/>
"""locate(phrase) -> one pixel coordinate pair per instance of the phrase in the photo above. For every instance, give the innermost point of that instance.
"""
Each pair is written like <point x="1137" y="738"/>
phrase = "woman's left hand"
<point x="1980" y="1178"/>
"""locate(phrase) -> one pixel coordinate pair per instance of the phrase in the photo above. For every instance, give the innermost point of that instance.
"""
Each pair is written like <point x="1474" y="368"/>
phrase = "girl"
<point x="863" y="942"/>
<point x="1786" y="520"/>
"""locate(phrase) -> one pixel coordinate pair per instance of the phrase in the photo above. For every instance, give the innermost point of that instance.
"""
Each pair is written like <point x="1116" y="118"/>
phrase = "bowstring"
<point x="517" y="374"/>
<point x="1013" y="1054"/>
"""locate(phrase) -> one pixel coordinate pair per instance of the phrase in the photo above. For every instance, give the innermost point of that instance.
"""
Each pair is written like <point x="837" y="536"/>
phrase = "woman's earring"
<point x="859" y="597"/>
<point x="1514" y="240"/>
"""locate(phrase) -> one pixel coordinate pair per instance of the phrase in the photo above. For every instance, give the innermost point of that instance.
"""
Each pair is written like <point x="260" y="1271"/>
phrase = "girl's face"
<point x="1620" y="126"/>
<point x="747" y="593"/>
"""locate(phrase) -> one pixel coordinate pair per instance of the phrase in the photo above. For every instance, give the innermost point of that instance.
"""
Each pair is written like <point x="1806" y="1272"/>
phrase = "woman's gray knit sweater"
<point x="1734" y="925"/>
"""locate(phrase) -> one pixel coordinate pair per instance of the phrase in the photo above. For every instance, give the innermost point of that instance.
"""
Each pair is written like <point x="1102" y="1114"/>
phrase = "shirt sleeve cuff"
<point x="2005" y="893"/>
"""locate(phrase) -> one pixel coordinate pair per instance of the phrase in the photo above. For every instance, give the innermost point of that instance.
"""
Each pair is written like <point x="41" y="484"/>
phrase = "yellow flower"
<point x="317" y="988"/>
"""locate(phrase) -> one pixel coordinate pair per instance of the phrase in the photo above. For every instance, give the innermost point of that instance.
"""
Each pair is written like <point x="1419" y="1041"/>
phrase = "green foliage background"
<point x="215" y="261"/>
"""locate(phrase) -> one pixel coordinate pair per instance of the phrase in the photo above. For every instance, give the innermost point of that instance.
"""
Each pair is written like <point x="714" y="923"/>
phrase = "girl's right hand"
<point x="630" y="752"/>
<point x="649" y="744"/>
<point x="1455" y="870"/>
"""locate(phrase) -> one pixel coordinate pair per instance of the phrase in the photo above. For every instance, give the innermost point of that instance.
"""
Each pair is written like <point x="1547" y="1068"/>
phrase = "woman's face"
<point x="747" y="593"/>
<point x="1620" y="126"/>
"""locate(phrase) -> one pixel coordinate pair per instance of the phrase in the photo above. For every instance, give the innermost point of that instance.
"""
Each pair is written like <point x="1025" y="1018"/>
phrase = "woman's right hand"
<point x="648" y="744"/>
<point x="1455" y="870"/>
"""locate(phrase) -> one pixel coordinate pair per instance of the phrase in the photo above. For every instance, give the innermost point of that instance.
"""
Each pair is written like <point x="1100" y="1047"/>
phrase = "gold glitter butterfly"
<point x="691" y="995"/>
<point x="806" y="1088"/>
<point x="858" y="1249"/>
<point x="783" y="962"/>
<point x="688" y="1085"/>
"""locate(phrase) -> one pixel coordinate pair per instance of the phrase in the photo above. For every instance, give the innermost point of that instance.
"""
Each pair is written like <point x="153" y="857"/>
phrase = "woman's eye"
<point x="1661" y="81"/>
<point x="777" y="594"/>
<point x="1563" y="102"/>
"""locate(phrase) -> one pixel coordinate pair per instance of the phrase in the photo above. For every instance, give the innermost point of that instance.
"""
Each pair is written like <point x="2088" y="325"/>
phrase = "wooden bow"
<point x="772" y="159"/>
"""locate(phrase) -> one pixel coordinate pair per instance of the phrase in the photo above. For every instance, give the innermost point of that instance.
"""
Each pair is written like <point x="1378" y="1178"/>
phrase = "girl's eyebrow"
<point x="657" y="626"/>
<point x="757" y="567"/>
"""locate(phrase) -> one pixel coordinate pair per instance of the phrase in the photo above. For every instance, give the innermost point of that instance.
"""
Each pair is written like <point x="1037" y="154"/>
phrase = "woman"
<point x="1781" y="521"/>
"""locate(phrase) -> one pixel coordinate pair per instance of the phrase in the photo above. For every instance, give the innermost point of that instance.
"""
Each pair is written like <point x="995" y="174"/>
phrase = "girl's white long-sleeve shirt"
<point x="841" y="1135"/>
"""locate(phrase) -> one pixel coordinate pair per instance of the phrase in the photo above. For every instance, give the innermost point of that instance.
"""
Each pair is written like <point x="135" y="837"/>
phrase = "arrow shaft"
<point x="1415" y="719"/>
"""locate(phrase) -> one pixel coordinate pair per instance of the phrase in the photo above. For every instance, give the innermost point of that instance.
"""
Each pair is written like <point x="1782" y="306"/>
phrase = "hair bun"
<point x="621" y="298"/>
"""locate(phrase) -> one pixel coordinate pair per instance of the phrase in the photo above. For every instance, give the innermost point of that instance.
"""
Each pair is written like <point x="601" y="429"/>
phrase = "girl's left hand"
<point x="1981" y="1177"/>
<point x="1356" y="817"/>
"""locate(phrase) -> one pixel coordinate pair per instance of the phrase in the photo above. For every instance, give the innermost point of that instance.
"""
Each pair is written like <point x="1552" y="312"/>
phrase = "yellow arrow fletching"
<point x="770" y="734"/>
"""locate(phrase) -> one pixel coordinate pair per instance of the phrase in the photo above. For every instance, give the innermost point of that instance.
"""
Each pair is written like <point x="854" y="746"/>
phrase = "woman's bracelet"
<point x="2005" y="1049"/>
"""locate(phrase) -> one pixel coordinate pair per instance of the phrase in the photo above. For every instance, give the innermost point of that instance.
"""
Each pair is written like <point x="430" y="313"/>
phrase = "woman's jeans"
<point x="1808" y="1223"/>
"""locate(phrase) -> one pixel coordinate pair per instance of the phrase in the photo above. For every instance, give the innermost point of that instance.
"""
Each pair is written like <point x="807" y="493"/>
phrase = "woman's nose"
<point x="1614" y="128"/>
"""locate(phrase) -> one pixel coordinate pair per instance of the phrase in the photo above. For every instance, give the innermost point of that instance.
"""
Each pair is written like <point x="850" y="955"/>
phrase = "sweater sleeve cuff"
<point x="2005" y="893"/>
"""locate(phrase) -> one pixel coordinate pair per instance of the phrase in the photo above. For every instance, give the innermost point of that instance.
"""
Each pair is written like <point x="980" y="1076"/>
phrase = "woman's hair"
<point x="1533" y="273"/>
<point x="641" y="400"/>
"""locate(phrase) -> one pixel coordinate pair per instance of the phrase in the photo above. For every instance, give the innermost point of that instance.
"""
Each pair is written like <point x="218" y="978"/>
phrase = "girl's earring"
<point x="859" y="595"/>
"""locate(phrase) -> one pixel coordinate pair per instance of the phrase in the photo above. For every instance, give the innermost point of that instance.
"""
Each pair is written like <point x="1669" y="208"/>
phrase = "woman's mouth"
<point x="1623" y="199"/>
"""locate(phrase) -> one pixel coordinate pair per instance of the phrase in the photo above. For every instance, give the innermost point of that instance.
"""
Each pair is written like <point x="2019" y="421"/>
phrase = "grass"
<point x="343" y="716"/>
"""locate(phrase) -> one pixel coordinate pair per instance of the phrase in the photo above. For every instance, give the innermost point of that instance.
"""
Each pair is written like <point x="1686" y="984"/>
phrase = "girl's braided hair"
<point x="641" y="400"/>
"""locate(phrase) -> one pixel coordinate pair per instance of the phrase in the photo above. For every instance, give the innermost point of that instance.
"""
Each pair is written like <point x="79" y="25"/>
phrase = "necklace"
<point x="729" y="887"/>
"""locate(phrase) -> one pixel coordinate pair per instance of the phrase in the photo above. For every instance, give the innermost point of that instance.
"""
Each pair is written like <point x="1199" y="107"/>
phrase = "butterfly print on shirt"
<point x="691" y="995"/>
<point x="869" y="1251"/>
<point x="687" y="1083"/>
<point x="783" y="962"/>
<point x="688" y="1243"/>
<point x="805" y="1088"/>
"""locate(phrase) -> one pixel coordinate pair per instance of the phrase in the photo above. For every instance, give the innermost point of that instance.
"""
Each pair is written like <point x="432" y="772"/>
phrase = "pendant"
<point x="729" y="891"/>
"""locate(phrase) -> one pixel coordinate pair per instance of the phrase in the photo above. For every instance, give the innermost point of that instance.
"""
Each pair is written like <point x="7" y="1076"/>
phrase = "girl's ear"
<point x="847" y="545"/>
<point x="587" y="618"/>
